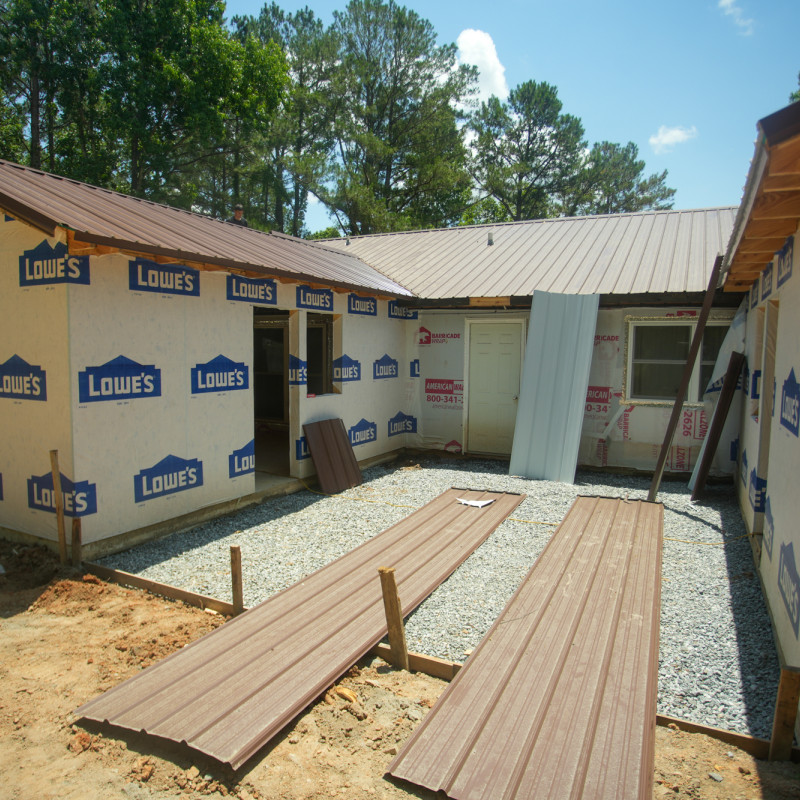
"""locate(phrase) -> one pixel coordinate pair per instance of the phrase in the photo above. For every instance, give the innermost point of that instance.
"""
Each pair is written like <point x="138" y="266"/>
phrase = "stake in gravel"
<point x="394" y="618"/>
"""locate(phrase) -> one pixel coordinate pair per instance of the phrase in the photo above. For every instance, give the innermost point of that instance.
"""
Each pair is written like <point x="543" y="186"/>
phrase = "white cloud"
<point x="477" y="47"/>
<point x="730" y="9"/>
<point x="667" y="138"/>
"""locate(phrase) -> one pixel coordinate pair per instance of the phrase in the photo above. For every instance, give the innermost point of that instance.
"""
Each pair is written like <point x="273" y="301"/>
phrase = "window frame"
<point x="694" y="389"/>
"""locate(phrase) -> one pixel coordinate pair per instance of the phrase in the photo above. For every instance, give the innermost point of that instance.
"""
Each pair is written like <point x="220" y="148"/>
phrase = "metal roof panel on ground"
<point x="228" y="693"/>
<point x="648" y="251"/>
<point x="559" y="699"/>
<point x="101" y="216"/>
<point x="332" y="454"/>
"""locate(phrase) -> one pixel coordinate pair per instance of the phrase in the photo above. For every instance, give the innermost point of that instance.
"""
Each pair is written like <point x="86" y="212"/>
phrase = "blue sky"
<point x="685" y="80"/>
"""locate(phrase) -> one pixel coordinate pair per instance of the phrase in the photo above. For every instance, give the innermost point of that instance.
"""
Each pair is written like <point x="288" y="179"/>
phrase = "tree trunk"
<point x="35" y="146"/>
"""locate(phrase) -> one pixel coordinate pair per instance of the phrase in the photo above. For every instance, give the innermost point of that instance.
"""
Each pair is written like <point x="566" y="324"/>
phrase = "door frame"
<point x="494" y="319"/>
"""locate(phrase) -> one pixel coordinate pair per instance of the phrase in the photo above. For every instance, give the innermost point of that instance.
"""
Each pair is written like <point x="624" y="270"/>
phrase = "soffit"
<point x="770" y="210"/>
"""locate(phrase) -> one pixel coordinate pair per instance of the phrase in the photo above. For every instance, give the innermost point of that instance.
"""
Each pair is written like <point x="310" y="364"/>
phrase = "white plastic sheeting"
<point x="555" y="379"/>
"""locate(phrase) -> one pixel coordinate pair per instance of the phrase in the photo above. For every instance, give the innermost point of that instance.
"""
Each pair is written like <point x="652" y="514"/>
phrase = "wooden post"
<point x="236" y="579"/>
<point x="62" y="533"/>
<point x="780" y="745"/>
<point x="76" y="542"/>
<point x="394" y="618"/>
<point x="687" y="376"/>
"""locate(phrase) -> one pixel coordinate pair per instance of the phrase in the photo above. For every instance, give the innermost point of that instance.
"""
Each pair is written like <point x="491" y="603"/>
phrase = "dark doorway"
<point x="271" y="390"/>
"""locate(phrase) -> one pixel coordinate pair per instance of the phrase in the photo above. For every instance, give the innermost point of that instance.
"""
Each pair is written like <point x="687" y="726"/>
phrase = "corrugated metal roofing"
<point x="651" y="251"/>
<point x="100" y="216"/>
<point x="333" y="456"/>
<point x="228" y="693"/>
<point x="555" y="378"/>
<point x="559" y="699"/>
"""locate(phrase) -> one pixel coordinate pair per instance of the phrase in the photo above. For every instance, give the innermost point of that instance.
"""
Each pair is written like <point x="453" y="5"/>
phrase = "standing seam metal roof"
<point x="559" y="699"/>
<point x="101" y="216"/>
<point x="644" y="252"/>
<point x="228" y="693"/>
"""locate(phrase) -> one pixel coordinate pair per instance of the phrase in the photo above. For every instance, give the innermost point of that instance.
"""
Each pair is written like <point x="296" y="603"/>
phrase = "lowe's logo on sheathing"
<point x="315" y="299"/>
<point x="22" y="381"/>
<point x="402" y="423"/>
<point x="363" y="432"/>
<point x="118" y="379"/>
<point x="746" y="374"/>
<point x="80" y="498"/>
<point x="171" y="474"/>
<point x="147" y="276"/>
<point x="368" y="306"/>
<point x="414" y="368"/>
<point x="790" y="404"/>
<point x="757" y="491"/>
<point x="346" y="369"/>
<point x="743" y="473"/>
<point x="766" y="280"/>
<point x="47" y="264"/>
<point x="396" y="311"/>
<point x="784" y="259"/>
<point x="242" y="462"/>
<point x="754" y="295"/>
<point x="301" y="448"/>
<point x="252" y="290"/>
<point x="221" y="374"/>
<point x="769" y="528"/>
<point x="298" y="371"/>
<point x="385" y="367"/>
<point x="789" y="585"/>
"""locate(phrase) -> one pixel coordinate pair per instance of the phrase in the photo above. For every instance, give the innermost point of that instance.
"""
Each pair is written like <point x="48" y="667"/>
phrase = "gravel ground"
<point x="718" y="664"/>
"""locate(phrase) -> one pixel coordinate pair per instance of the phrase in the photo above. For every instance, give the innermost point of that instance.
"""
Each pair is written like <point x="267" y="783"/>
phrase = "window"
<point x="319" y="351"/>
<point x="657" y="354"/>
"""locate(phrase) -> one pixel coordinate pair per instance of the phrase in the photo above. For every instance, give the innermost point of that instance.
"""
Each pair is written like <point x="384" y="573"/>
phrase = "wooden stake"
<point x="76" y="542"/>
<point x="780" y="745"/>
<point x="236" y="579"/>
<point x="394" y="618"/>
<point x="62" y="533"/>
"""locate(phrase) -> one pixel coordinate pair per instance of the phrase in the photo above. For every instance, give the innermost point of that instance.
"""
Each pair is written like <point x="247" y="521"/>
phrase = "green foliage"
<point x="610" y="182"/>
<point x="526" y="151"/>
<point x="398" y="157"/>
<point x="326" y="233"/>
<point x="795" y="96"/>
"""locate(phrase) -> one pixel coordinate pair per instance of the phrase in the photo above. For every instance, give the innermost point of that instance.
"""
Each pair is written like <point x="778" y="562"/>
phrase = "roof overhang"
<point x="770" y="209"/>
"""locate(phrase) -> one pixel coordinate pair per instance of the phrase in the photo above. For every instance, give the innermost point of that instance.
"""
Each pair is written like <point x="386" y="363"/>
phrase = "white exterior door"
<point x="495" y="363"/>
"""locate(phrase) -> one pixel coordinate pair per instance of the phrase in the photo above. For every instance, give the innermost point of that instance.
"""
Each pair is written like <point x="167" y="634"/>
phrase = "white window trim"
<point x="692" y="390"/>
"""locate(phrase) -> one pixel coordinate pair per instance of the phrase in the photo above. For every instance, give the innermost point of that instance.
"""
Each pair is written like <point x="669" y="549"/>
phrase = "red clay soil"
<point x="65" y="637"/>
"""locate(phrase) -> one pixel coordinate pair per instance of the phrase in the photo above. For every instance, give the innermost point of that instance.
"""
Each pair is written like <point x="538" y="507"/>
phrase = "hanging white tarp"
<point x="554" y="382"/>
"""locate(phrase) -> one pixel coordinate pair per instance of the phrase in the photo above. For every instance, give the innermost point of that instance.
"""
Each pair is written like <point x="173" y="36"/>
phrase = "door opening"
<point x="271" y="390"/>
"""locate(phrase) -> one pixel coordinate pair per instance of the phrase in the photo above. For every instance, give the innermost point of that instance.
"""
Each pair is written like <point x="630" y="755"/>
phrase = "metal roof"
<point x="229" y="692"/>
<point x="770" y="209"/>
<point x="652" y="251"/>
<point x="559" y="698"/>
<point x="103" y="217"/>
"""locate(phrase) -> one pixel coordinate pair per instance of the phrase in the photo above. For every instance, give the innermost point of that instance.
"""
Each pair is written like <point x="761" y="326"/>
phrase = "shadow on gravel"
<point x="758" y="659"/>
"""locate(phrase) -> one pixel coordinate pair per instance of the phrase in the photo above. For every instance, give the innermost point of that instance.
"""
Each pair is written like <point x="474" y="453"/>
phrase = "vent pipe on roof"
<point x="491" y="239"/>
<point x="347" y="242"/>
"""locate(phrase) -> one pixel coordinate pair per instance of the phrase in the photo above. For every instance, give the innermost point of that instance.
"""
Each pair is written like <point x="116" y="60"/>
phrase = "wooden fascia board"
<point x="25" y="214"/>
<point x="777" y="206"/>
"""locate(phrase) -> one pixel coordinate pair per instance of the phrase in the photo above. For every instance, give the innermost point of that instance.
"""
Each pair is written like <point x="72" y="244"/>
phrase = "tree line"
<point x="170" y="101"/>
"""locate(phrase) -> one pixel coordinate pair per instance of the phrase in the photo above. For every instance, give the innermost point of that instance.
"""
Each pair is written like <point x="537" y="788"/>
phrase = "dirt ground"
<point x="65" y="637"/>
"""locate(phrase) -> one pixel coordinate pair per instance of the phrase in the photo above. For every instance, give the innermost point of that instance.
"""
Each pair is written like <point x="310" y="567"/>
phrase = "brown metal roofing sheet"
<point x="228" y="693"/>
<point x="332" y="454"/>
<point x="559" y="699"/>
<point x="101" y="216"/>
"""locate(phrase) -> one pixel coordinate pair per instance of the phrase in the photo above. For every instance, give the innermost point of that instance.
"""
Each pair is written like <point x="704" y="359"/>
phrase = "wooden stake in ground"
<point x="76" y="542"/>
<point x="780" y="745"/>
<point x="62" y="533"/>
<point x="394" y="618"/>
<point x="236" y="579"/>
